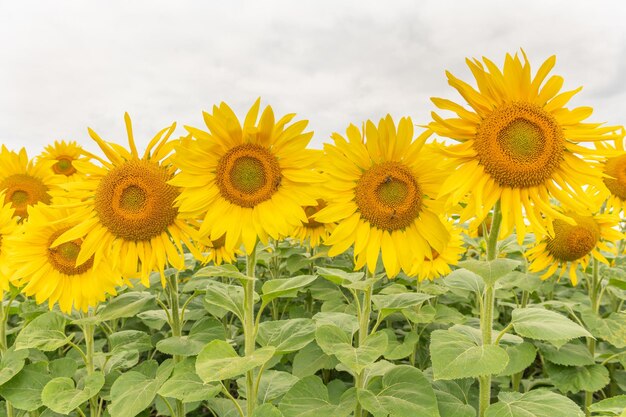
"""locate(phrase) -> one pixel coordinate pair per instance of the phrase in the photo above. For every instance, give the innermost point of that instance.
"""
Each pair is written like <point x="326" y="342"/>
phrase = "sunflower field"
<point x="471" y="265"/>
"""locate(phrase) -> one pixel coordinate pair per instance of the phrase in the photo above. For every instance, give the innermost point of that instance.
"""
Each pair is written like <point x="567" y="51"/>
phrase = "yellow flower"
<point x="247" y="181"/>
<point x="24" y="182"/>
<point x="8" y="225"/>
<point x="437" y="264"/>
<point x="51" y="272"/>
<point x="218" y="253"/>
<point x="380" y="191"/>
<point x="127" y="212"/>
<point x="574" y="245"/>
<point x="518" y="144"/>
<point x="313" y="231"/>
<point x="613" y="189"/>
<point x="62" y="155"/>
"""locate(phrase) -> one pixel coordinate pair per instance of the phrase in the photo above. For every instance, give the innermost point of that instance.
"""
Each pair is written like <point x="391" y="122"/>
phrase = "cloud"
<point x="72" y="64"/>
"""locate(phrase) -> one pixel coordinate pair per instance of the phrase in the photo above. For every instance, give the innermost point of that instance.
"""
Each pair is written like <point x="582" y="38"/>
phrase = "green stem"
<point x="488" y="301"/>
<point x="249" y="329"/>
<point x="364" y="321"/>
<point x="176" y="324"/>
<point x="88" y="334"/>
<point x="594" y="286"/>
<point x="4" y="317"/>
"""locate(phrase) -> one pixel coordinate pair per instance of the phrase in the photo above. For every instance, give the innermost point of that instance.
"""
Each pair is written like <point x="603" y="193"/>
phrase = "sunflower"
<point x="127" y="208"/>
<point x="247" y="181"/>
<point x="437" y="264"/>
<point x="62" y="155"/>
<point x="8" y="225"/>
<point x="313" y="231"/>
<point x="613" y="189"/>
<point x="24" y="182"/>
<point x="217" y="252"/>
<point x="519" y="144"/>
<point x="380" y="191"/>
<point x="52" y="272"/>
<point x="574" y="245"/>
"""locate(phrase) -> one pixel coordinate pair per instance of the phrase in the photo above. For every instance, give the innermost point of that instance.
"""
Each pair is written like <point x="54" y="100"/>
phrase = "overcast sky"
<point x="66" y="65"/>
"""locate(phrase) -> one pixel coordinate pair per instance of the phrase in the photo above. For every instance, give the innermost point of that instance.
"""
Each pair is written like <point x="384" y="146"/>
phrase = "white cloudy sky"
<point x="69" y="64"/>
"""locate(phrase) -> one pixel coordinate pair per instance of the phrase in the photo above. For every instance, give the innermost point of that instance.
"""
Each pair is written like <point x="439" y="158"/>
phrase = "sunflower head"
<point x="518" y="143"/>
<point x="62" y="155"/>
<point x="8" y="226"/>
<point x="24" y="182"/>
<point x="572" y="242"/>
<point x="313" y="231"/>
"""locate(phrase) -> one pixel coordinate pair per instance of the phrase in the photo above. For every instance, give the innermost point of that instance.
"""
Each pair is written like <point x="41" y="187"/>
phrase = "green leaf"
<point x="520" y="280"/>
<point x="218" y="361"/>
<point x="24" y="389"/>
<point x="490" y="271"/>
<point x="537" y="323"/>
<point x="396" y="350"/>
<point x="404" y="392"/>
<point x="578" y="378"/>
<point x="612" y="329"/>
<point x="456" y="355"/>
<point x="225" y="270"/>
<point x="186" y="385"/>
<point x="227" y="297"/>
<point x="311" y="359"/>
<point x="535" y="403"/>
<point x="46" y="333"/>
<point x="132" y="393"/>
<point x="520" y="357"/>
<point x="273" y="385"/>
<point x="62" y="367"/>
<point x="614" y="405"/>
<point x="180" y="345"/>
<point x="340" y="277"/>
<point x="571" y="354"/>
<point x="128" y="304"/>
<point x="346" y="322"/>
<point x="11" y="364"/>
<point x="453" y="398"/>
<point x="287" y="287"/>
<point x="464" y="280"/>
<point x="309" y="398"/>
<point x="390" y="303"/>
<point x="267" y="410"/>
<point x="335" y="341"/>
<point x="286" y="335"/>
<point x="62" y="397"/>
<point x="129" y="340"/>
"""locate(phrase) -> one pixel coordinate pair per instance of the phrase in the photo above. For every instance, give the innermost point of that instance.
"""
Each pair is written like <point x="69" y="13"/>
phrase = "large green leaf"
<point x="387" y="304"/>
<point x="404" y="392"/>
<point x="311" y="359"/>
<point x="335" y="341"/>
<point x="456" y="355"/>
<point x="185" y="385"/>
<point x="309" y="398"/>
<point x="132" y="393"/>
<point x="267" y="410"/>
<point x="24" y="389"/>
<point x="490" y="271"/>
<point x="126" y="340"/>
<point x="612" y="328"/>
<point x="128" y="304"/>
<point x="570" y="354"/>
<point x="453" y="398"/>
<point x="464" y="280"/>
<point x="287" y="287"/>
<point x="272" y="385"/>
<point x="340" y="277"/>
<point x="62" y="397"/>
<point x="286" y="335"/>
<point x="219" y="361"/>
<point x="612" y="406"/>
<point x="537" y="323"/>
<point x="11" y="364"/>
<point x="46" y="332"/>
<point x="536" y="403"/>
<point x="227" y="297"/>
<point x="226" y="271"/>
<point x="578" y="378"/>
<point x="520" y="357"/>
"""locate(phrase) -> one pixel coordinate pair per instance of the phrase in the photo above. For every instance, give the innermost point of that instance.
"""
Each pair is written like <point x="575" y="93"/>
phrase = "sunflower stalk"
<point x="176" y="324"/>
<point x="88" y="333"/>
<point x="4" y="318"/>
<point x="594" y="298"/>
<point x="365" y="310"/>
<point x="488" y="302"/>
<point x="249" y="329"/>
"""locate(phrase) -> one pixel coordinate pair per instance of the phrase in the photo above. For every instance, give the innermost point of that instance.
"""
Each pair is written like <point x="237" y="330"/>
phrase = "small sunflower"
<point x="613" y="189"/>
<point x="574" y="244"/>
<point x="437" y="264"/>
<point x="24" y="182"/>
<point x="8" y="225"/>
<point x="127" y="208"/>
<point x="313" y="231"/>
<point x="380" y="188"/>
<point x="62" y="155"/>
<point x="217" y="252"/>
<point x="519" y="144"/>
<point x="247" y="181"/>
<point x="51" y="272"/>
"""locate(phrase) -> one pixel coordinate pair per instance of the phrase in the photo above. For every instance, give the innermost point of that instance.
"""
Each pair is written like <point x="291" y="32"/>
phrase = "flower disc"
<point x="23" y="190"/>
<point x="311" y="211"/>
<point x="248" y="174"/>
<point x="135" y="202"/>
<point x="388" y="196"/>
<point x="572" y="242"/>
<point x="616" y="168"/>
<point x="63" y="257"/>
<point x="64" y="166"/>
<point x="520" y="145"/>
